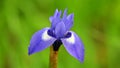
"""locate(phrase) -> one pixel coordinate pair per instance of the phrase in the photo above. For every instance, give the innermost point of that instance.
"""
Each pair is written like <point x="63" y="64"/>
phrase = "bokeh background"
<point x="97" y="22"/>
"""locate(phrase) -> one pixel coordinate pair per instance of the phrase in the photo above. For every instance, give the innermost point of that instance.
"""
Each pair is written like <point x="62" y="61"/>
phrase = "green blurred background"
<point x="97" y="22"/>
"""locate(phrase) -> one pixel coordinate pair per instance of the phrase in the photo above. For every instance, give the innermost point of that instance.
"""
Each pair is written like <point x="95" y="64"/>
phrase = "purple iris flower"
<point x="59" y="33"/>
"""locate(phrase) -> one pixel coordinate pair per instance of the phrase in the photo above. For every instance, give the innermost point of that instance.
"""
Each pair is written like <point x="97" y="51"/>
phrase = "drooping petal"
<point x="68" y="21"/>
<point x="60" y="30"/>
<point x="40" y="40"/>
<point x="74" y="46"/>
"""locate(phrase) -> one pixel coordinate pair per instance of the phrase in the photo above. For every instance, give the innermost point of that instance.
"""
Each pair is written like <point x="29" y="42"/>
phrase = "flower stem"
<point x="53" y="58"/>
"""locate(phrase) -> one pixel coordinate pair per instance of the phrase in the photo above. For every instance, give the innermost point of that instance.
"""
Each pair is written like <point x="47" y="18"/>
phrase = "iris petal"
<point x="60" y="30"/>
<point x="55" y="19"/>
<point x="69" y="21"/>
<point x="56" y="13"/>
<point x="65" y="14"/>
<point x="70" y="17"/>
<point x="40" y="40"/>
<point x="74" y="46"/>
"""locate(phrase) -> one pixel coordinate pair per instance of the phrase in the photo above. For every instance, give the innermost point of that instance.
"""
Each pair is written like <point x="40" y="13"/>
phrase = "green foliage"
<point x="97" y="22"/>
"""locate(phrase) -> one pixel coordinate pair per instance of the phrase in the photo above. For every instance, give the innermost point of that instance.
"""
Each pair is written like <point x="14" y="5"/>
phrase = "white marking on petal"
<point x="45" y="36"/>
<point x="71" y="39"/>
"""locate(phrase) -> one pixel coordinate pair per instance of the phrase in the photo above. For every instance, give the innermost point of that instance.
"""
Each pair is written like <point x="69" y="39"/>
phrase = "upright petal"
<point x="60" y="30"/>
<point x="55" y="19"/>
<point x="54" y="22"/>
<point x="65" y="14"/>
<point x="68" y="21"/>
<point x="40" y="40"/>
<point x="56" y="13"/>
<point x="74" y="46"/>
<point x="70" y="17"/>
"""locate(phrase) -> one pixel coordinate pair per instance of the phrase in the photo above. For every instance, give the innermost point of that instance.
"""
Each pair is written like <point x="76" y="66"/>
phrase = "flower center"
<point x="51" y="33"/>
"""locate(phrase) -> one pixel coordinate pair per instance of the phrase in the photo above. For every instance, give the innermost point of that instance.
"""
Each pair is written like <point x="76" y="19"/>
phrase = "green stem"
<point x="53" y="58"/>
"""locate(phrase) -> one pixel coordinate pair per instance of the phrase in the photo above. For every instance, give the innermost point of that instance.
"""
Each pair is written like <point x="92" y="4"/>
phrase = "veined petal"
<point x="74" y="46"/>
<point x="40" y="40"/>
<point x="60" y="30"/>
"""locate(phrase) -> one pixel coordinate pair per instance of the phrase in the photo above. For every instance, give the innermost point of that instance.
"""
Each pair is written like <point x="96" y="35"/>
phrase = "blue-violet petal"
<point x="69" y="21"/>
<point x="60" y="30"/>
<point x="40" y="40"/>
<point x="74" y="46"/>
